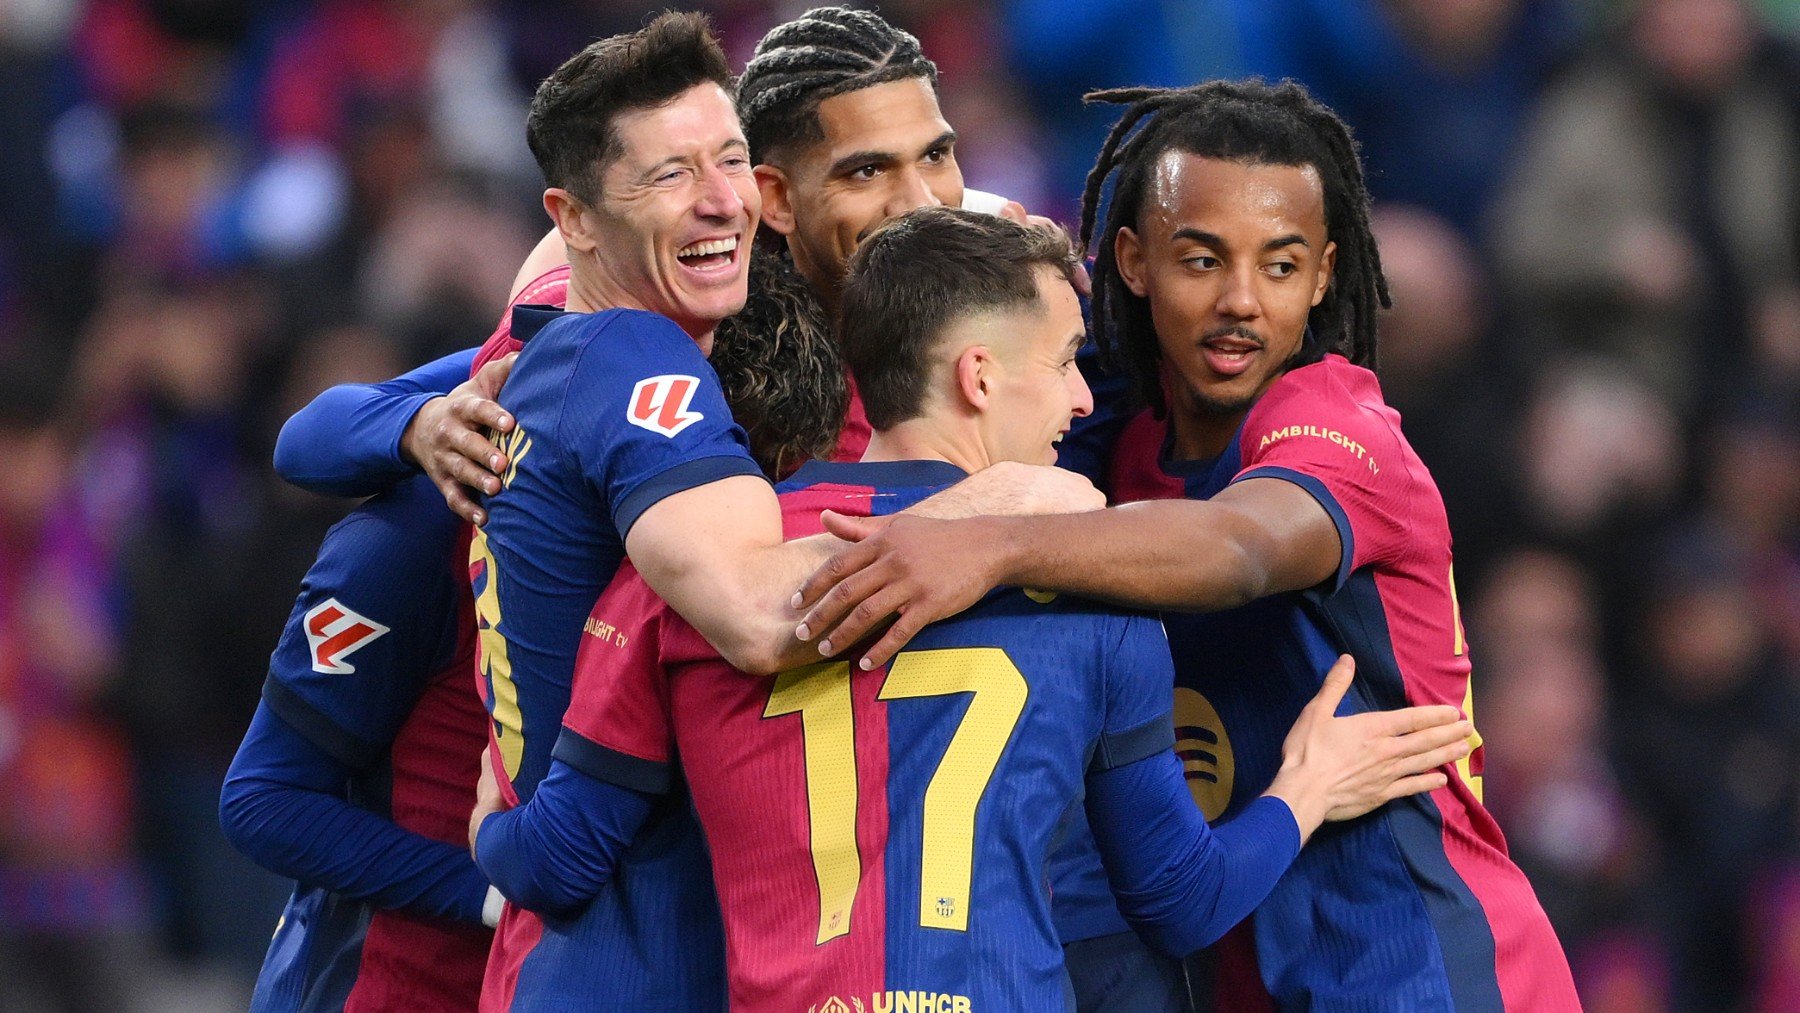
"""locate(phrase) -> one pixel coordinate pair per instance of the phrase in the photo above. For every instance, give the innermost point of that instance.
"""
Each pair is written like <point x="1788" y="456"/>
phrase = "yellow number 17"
<point x="820" y="694"/>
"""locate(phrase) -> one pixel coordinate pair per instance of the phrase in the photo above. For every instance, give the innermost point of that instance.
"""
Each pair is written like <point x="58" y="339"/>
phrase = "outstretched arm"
<point x="715" y="554"/>
<point x="1257" y="537"/>
<point x="1184" y="883"/>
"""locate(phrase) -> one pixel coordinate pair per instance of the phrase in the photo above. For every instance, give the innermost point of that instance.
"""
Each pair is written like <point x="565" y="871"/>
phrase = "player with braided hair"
<point x="1268" y="485"/>
<point x="1291" y="129"/>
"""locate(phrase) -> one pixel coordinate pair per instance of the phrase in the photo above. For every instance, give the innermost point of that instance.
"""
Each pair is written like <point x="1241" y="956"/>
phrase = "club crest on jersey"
<point x="660" y="404"/>
<point x="334" y="632"/>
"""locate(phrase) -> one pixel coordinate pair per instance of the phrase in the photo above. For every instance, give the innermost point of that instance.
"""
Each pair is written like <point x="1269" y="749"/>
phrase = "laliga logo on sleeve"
<point x="334" y="633"/>
<point x="660" y="404"/>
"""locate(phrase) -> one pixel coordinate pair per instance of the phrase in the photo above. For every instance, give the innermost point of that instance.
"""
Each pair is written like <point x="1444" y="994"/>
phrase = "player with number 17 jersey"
<point x="879" y="839"/>
<point x="615" y="411"/>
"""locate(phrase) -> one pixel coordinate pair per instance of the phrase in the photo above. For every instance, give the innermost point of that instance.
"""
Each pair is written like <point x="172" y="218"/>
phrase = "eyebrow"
<point x="858" y="159"/>
<point x="1076" y="342"/>
<point x="1209" y="239"/>
<point x="656" y="170"/>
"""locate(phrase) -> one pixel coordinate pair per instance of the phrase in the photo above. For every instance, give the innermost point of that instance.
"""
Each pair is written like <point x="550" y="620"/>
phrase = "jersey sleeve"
<point x="644" y="416"/>
<point x="282" y="805"/>
<point x="1346" y="454"/>
<point x="1181" y="882"/>
<point x="617" y="727"/>
<point x="1139" y="705"/>
<point x="346" y="441"/>
<point x="376" y="619"/>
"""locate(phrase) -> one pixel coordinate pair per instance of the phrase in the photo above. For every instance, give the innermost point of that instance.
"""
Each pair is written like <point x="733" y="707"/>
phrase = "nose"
<point x="719" y="200"/>
<point x="910" y="192"/>
<point x="1081" y="399"/>
<point x="1237" y="295"/>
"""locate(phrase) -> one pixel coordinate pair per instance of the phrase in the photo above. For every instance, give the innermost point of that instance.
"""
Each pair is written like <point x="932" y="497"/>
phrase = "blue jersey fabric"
<point x="616" y="410"/>
<point x="375" y="624"/>
<point x="1242" y="675"/>
<point x="346" y="441"/>
<point x="1092" y="694"/>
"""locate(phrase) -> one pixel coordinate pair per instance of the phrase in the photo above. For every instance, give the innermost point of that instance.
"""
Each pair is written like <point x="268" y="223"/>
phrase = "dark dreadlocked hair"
<point x="780" y="368"/>
<point x="827" y="51"/>
<point x="1243" y="121"/>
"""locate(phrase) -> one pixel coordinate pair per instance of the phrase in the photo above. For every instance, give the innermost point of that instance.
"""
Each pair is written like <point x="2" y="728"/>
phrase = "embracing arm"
<point x="555" y="852"/>
<point x="1179" y="881"/>
<point x="1185" y="883"/>
<point x="282" y="805"/>
<point x="346" y="441"/>
<point x="1258" y="537"/>
<point x="715" y="554"/>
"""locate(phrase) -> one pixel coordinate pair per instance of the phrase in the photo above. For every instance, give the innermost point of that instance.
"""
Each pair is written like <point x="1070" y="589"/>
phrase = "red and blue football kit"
<point x="615" y="411"/>
<point x="357" y="774"/>
<point x="1415" y="906"/>
<point x="880" y="839"/>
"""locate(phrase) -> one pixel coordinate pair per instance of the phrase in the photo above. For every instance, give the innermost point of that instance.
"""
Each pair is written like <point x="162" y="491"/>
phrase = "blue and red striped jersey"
<point x="1416" y="905"/>
<point x="881" y="839"/>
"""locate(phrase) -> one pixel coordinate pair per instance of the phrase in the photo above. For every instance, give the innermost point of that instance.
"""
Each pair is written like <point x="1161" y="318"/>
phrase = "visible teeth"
<point x="725" y="245"/>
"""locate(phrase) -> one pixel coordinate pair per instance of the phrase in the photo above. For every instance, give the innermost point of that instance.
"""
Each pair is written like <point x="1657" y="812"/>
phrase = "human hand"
<point x="488" y="799"/>
<point x="917" y="568"/>
<point x="448" y="439"/>
<point x="1338" y="768"/>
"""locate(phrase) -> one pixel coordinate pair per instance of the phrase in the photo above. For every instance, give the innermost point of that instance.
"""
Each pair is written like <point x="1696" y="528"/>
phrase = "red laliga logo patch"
<point x="334" y="632"/>
<point x="660" y="404"/>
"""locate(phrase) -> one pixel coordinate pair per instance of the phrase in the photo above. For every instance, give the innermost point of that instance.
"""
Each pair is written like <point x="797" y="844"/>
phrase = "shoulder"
<point x="406" y="530"/>
<point x="1330" y="401"/>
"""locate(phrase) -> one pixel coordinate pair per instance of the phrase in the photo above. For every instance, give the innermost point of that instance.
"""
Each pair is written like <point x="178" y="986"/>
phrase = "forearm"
<point x="1180" y="555"/>
<point x="746" y="610"/>
<point x="290" y="823"/>
<point x="1182" y="883"/>
<point x="346" y="442"/>
<point x="554" y="853"/>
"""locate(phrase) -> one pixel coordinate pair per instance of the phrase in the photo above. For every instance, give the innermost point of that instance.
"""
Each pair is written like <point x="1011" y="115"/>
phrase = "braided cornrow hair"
<point x="825" y="52"/>
<point x="781" y="369"/>
<point x="1244" y="121"/>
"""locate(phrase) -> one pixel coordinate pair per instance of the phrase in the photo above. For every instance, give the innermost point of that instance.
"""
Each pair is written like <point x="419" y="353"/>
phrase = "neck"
<point x="1196" y="433"/>
<point x="592" y="290"/>
<point x="919" y="440"/>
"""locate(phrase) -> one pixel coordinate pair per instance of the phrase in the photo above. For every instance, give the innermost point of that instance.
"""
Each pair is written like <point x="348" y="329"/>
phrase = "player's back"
<point x="373" y="668"/>
<point x="879" y="839"/>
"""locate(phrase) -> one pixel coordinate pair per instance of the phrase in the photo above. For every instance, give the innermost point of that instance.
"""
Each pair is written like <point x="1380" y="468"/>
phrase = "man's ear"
<point x="777" y="206"/>
<point x="1327" y="264"/>
<point x="1128" y="254"/>
<point x="569" y="213"/>
<point x="975" y="376"/>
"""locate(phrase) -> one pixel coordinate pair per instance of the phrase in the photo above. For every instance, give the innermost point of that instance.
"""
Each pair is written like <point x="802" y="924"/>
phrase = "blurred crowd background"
<point x="1589" y="212"/>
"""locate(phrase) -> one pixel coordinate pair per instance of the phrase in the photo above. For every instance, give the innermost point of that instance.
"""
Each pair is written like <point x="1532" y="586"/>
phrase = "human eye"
<point x="1282" y="268"/>
<point x="938" y="155"/>
<point x="1201" y="261"/>
<point x="864" y="173"/>
<point x="735" y="163"/>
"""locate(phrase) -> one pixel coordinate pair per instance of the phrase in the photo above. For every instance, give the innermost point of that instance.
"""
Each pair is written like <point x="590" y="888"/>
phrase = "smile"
<point x="709" y="254"/>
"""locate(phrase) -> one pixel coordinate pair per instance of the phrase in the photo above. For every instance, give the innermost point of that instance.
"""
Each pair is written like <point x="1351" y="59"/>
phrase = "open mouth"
<point x="1229" y="356"/>
<point x="709" y="254"/>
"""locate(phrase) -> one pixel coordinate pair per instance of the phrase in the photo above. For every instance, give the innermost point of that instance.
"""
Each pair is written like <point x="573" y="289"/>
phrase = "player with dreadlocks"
<point x="841" y="112"/>
<point x="1268" y="485"/>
